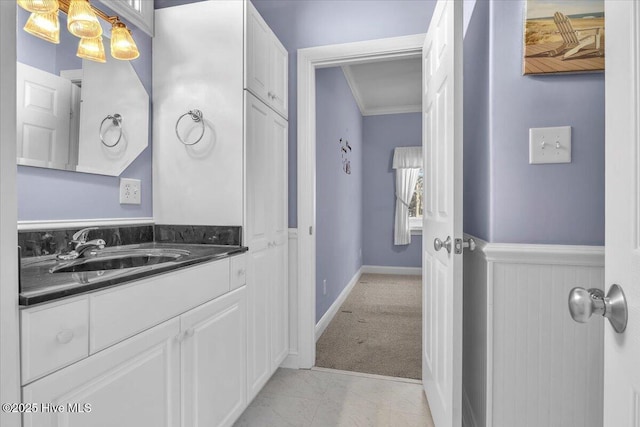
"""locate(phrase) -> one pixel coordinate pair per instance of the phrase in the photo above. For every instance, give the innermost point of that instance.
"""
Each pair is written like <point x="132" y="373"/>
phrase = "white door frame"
<point x="309" y="60"/>
<point x="9" y="349"/>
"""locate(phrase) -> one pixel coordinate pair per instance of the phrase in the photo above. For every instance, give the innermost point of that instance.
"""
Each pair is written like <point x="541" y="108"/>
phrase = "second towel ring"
<point x="196" y="116"/>
<point x="116" y="120"/>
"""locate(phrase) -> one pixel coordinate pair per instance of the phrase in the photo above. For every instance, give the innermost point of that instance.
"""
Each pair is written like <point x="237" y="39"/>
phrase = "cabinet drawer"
<point x="54" y="336"/>
<point x="238" y="271"/>
<point x="123" y="311"/>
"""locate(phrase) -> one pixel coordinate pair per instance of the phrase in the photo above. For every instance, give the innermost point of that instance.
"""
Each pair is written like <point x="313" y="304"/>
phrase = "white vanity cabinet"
<point x="189" y="370"/>
<point x="234" y="69"/>
<point x="266" y="237"/>
<point x="266" y="63"/>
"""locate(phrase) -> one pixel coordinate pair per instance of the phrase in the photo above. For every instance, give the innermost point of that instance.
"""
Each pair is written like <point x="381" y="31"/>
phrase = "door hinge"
<point x="310" y="230"/>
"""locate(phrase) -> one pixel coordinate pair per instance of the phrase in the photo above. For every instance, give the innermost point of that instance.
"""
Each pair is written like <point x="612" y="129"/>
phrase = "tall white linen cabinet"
<point x="230" y="167"/>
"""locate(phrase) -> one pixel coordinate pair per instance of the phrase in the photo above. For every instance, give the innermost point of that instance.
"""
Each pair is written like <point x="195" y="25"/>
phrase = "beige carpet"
<point x="377" y="330"/>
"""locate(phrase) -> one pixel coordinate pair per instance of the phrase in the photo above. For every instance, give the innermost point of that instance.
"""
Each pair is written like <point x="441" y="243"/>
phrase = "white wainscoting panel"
<point x="543" y="369"/>
<point x="291" y="360"/>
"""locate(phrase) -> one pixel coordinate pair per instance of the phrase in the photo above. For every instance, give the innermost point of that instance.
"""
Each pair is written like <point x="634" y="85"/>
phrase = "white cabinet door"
<point x="267" y="287"/>
<point x="266" y="63"/>
<point x="258" y="40"/>
<point x="278" y="77"/>
<point x="213" y="361"/>
<point x="279" y="309"/>
<point x="259" y="212"/>
<point x="132" y="384"/>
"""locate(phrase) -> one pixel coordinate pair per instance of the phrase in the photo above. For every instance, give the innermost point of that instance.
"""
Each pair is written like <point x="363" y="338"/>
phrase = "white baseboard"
<point x="333" y="310"/>
<point x="384" y="269"/>
<point x="468" y="417"/>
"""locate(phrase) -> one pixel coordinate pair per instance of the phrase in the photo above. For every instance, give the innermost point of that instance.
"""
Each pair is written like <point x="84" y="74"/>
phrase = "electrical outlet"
<point x="129" y="191"/>
<point x="324" y="287"/>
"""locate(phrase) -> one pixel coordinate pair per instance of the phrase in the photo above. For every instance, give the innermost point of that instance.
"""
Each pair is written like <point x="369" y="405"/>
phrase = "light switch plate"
<point x="129" y="191"/>
<point x="550" y="145"/>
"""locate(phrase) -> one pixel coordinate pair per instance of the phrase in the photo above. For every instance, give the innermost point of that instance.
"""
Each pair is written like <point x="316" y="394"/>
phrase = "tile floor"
<point x="325" y="398"/>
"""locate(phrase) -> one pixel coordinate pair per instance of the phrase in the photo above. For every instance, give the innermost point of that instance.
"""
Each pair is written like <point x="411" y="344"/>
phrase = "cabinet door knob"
<point x="189" y="332"/>
<point x="64" y="336"/>
<point x="241" y="272"/>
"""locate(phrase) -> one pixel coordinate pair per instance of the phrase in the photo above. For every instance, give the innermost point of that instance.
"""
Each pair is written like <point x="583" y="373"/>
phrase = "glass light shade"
<point x="82" y="20"/>
<point x="39" y="6"/>
<point x="45" y="26"/>
<point x="92" y="49"/>
<point x="122" y="45"/>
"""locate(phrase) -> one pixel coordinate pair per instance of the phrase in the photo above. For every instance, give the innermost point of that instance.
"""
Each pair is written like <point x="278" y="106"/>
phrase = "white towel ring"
<point x="196" y="116"/>
<point x="116" y="120"/>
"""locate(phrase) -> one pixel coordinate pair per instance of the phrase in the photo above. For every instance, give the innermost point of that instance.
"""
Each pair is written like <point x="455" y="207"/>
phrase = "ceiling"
<point x="386" y="87"/>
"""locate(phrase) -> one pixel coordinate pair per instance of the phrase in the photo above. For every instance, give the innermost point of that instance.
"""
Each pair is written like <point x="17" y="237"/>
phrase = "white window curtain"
<point x="407" y="162"/>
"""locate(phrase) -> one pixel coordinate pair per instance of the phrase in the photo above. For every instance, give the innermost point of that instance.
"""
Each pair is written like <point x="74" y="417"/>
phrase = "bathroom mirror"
<point x="74" y="114"/>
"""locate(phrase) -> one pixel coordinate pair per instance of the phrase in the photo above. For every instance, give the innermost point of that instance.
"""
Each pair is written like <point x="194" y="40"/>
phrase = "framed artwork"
<point x="563" y="36"/>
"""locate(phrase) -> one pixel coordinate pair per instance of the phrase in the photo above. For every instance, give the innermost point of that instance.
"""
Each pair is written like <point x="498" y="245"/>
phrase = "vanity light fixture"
<point x="92" y="49"/>
<point x="39" y="6"/>
<point x="122" y="45"/>
<point x="82" y="22"/>
<point x="45" y="26"/>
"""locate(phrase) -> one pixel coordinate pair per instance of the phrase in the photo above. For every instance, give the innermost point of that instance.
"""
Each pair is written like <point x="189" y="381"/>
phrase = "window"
<point x="417" y="204"/>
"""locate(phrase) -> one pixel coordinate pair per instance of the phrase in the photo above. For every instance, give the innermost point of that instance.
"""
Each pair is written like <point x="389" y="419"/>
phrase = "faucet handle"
<point x="81" y="236"/>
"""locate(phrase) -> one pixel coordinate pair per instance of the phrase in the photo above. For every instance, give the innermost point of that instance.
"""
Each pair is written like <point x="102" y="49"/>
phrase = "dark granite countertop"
<point x="39" y="285"/>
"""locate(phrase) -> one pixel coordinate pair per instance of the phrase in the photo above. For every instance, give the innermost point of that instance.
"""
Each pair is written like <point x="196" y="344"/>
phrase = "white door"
<point x="213" y="361"/>
<point x="622" y="250"/>
<point x="442" y="269"/>
<point x="43" y="115"/>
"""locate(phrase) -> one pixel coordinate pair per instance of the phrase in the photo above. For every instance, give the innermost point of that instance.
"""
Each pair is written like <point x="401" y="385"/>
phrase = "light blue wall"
<point x="338" y="195"/>
<point x="381" y="135"/>
<point x="553" y="204"/>
<point x="476" y="122"/>
<point x="46" y="194"/>
<point x="300" y="24"/>
<point x="33" y="50"/>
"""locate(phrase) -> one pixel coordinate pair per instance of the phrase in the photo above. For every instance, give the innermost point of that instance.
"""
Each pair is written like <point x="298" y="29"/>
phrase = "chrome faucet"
<point x="82" y="245"/>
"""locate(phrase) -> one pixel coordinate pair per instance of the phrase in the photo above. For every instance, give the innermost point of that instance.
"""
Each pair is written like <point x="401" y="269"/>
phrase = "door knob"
<point x="583" y="303"/>
<point x="439" y="244"/>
